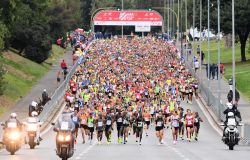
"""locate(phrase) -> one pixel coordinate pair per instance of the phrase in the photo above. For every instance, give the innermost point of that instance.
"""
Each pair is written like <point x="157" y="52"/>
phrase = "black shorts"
<point x="180" y="124"/>
<point x="107" y="128"/>
<point x="91" y="129"/>
<point x="147" y="123"/>
<point x="83" y="126"/>
<point x="152" y="115"/>
<point x="158" y="128"/>
<point x="190" y="93"/>
<point x="190" y="127"/>
<point x="58" y="79"/>
<point x="176" y="128"/>
<point x="77" y="125"/>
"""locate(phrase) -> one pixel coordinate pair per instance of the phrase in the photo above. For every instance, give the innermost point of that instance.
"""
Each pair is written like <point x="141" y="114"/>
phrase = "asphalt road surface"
<point x="209" y="147"/>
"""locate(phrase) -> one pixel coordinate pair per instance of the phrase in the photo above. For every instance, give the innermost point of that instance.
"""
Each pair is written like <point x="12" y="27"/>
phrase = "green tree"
<point x="2" y="72"/>
<point x="4" y="33"/>
<point x="242" y="19"/>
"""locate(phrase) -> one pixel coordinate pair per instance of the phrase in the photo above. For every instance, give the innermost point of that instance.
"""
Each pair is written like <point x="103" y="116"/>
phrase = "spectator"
<point x="202" y="57"/>
<point x="63" y="65"/>
<point x="213" y="70"/>
<point x="196" y="65"/>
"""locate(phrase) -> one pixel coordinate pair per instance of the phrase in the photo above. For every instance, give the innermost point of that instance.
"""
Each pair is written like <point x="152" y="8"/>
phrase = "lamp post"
<point x="218" y="66"/>
<point x="186" y="27"/>
<point x="233" y="50"/>
<point x="208" y="43"/>
<point x="200" y="31"/>
<point x="173" y="12"/>
<point x="122" y="24"/>
<point x="193" y="24"/>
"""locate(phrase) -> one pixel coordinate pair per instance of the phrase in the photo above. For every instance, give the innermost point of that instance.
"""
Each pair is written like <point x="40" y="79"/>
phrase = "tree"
<point x="2" y="87"/>
<point x="242" y="19"/>
<point x="3" y="34"/>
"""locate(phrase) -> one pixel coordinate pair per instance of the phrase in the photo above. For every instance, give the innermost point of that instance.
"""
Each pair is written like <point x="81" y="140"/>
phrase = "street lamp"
<point x="233" y="50"/>
<point x="218" y="66"/>
<point x="122" y="24"/>
<point x="208" y="43"/>
<point x="177" y="17"/>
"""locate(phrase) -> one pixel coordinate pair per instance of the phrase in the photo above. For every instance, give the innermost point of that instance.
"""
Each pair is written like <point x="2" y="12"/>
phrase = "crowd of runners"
<point x="128" y="86"/>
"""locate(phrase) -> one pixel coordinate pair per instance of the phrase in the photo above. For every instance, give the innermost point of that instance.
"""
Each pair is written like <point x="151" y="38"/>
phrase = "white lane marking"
<point x="86" y="151"/>
<point x="209" y="118"/>
<point x="177" y="152"/>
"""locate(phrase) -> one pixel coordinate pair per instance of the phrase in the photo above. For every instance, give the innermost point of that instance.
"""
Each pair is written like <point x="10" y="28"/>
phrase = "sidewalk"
<point x="48" y="82"/>
<point x="244" y="105"/>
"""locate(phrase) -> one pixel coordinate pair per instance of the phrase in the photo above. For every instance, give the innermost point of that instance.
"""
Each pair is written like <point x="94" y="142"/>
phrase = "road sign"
<point x="142" y="28"/>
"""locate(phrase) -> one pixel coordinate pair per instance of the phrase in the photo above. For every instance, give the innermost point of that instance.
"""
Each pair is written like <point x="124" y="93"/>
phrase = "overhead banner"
<point x="128" y="18"/>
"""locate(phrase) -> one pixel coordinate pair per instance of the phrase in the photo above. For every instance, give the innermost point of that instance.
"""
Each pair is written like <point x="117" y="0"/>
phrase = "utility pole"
<point x="208" y="43"/>
<point x="200" y="31"/>
<point x="168" y="19"/>
<point x="193" y="25"/>
<point x="218" y="66"/>
<point x="164" y="15"/>
<point x="233" y="50"/>
<point x="122" y="11"/>
<point x="186" y="27"/>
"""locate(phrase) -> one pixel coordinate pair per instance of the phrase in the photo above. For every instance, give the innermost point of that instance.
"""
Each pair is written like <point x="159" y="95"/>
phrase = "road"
<point x="209" y="147"/>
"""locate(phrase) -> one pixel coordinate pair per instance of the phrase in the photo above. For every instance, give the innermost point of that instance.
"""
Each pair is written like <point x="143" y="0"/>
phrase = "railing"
<point x="58" y="95"/>
<point x="216" y="104"/>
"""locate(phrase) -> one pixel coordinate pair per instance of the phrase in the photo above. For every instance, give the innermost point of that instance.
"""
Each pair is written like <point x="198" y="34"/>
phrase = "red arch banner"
<point x="128" y="18"/>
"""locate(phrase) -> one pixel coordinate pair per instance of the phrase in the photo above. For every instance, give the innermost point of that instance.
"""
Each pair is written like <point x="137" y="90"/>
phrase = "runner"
<point x="99" y="128"/>
<point x="76" y="120"/>
<point x="139" y="128"/>
<point x="119" y="122"/>
<point x="147" y="118"/>
<point x="175" y="119"/>
<point x="108" y="126"/>
<point x="197" y="120"/>
<point x="189" y="124"/>
<point x="83" y="124"/>
<point x="125" y="126"/>
<point x="91" y="128"/>
<point x="159" y="122"/>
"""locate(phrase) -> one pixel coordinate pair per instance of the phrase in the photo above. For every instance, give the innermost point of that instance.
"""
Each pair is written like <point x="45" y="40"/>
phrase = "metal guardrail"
<point x="216" y="105"/>
<point x="60" y="91"/>
<point x="208" y="96"/>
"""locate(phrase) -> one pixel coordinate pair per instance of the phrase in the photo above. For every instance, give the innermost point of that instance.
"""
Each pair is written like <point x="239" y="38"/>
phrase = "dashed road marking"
<point x="177" y="152"/>
<point x="86" y="151"/>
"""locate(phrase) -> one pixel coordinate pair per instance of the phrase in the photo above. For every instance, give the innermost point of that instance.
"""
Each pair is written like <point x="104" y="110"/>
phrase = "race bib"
<point x="159" y="124"/>
<point x="119" y="120"/>
<point x="64" y="126"/>
<point x="189" y="123"/>
<point x="83" y="121"/>
<point x="196" y="120"/>
<point x="108" y="122"/>
<point x="75" y="119"/>
<point x="140" y="124"/>
<point x="90" y="125"/>
<point x="100" y="124"/>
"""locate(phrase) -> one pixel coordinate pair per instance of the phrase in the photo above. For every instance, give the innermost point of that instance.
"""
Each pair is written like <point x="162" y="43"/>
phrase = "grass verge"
<point x="22" y="74"/>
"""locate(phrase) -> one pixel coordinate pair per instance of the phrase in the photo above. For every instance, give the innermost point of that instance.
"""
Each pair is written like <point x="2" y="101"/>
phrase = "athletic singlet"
<point x="159" y="122"/>
<point x="189" y="120"/>
<point x="90" y="122"/>
<point x="108" y="121"/>
<point x="175" y="121"/>
<point x="147" y="117"/>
